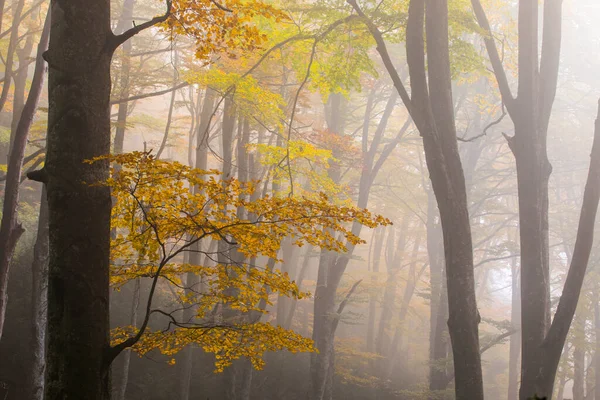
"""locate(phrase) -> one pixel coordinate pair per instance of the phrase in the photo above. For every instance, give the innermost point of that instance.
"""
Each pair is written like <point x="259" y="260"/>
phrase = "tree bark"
<point x="39" y="273"/>
<point x="515" y="339"/>
<point x="79" y="58"/>
<point x="431" y="107"/>
<point x="579" y="359"/>
<point x="10" y="229"/>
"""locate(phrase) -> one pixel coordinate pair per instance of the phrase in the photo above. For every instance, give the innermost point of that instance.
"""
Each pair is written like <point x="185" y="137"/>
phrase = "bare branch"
<point x="122" y="38"/>
<point x="153" y="94"/>
<point x="494" y="56"/>
<point x="490" y="125"/>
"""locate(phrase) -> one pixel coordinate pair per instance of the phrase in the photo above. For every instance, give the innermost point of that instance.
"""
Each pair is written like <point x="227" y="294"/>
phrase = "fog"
<point x="317" y="200"/>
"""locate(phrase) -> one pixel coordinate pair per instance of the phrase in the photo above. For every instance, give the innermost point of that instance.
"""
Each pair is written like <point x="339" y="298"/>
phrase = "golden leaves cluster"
<point x="221" y="28"/>
<point x="162" y="209"/>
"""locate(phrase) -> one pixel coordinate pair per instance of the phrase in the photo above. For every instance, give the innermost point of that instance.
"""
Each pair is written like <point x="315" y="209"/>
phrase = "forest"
<point x="299" y="199"/>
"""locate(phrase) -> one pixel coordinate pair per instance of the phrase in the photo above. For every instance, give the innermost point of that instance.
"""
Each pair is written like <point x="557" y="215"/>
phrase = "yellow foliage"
<point x="161" y="209"/>
<point x="219" y="29"/>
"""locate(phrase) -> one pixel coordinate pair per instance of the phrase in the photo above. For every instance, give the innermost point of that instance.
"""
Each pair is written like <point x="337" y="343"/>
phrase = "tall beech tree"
<point x="542" y="337"/>
<point x="81" y="48"/>
<point x="431" y="107"/>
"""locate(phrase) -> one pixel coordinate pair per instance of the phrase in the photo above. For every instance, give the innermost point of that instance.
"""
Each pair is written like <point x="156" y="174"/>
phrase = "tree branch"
<point x="153" y="94"/>
<point x="557" y="334"/>
<point x="118" y="40"/>
<point x="343" y="304"/>
<point x="492" y="49"/>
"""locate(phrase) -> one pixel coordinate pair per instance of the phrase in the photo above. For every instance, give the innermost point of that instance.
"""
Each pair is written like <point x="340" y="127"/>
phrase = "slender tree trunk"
<point x="20" y="83"/>
<point x="515" y="339"/>
<point x="373" y="293"/>
<point x="299" y="281"/>
<point x="290" y="258"/>
<point x="597" y="349"/>
<point x="393" y="266"/>
<point x="579" y="358"/>
<point x="39" y="272"/>
<point x="411" y="284"/>
<point x="328" y="279"/>
<point x="124" y="76"/>
<point x="193" y="283"/>
<point x="124" y="378"/>
<point x="171" y="108"/>
<point x="10" y="229"/>
<point x="10" y="53"/>
<point x="438" y="370"/>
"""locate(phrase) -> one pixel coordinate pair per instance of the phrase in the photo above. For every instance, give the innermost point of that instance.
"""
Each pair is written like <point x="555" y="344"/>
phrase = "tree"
<point x="431" y="107"/>
<point x="10" y="228"/>
<point x="164" y="209"/>
<point x="79" y="56"/>
<point x="543" y="337"/>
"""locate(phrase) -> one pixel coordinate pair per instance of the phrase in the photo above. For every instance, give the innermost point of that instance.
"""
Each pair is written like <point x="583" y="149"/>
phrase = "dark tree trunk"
<point x="79" y="56"/>
<point x="10" y="229"/>
<point x="431" y="107"/>
<point x="438" y="369"/>
<point x="530" y="111"/>
<point x="550" y="349"/>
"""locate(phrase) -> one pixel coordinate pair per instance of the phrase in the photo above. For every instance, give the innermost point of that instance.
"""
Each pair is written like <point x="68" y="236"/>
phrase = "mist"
<point x="320" y="200"/>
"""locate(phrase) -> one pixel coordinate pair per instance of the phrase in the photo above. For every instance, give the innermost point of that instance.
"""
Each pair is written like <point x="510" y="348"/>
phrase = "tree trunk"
<point x="515" y="339"/>
<point x="597" y="350"/>
<point x="393" y="266"/>
<point x="438" y="369"/>
<point x="10" y="53"/>
<point x="10" y="229"/>
<point x="39" y="273"/>
<point x="171" y="107"/>
<point x="409" y="290"/>
<point x="299" y="280"/>
<point x="373" y="293"/>
<point x="579" y="358"/>
<point x="124" y="76"/>
<point x="193" y="284"/>
<point x="327" y="284"/>
<point x="20" y="83"/>
<point x="79" y="57"/>
<point x="124" y="378"/>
